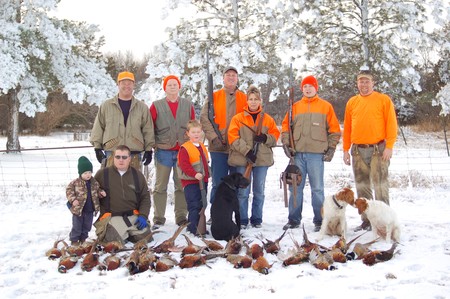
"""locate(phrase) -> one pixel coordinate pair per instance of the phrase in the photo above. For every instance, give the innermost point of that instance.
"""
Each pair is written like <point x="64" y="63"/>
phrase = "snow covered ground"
<point x="34" y="215"/>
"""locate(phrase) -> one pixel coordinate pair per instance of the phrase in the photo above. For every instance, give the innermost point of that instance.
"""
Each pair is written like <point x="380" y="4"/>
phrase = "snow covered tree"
<point x="343" y="36"/>
<point x="39" y="54"/>
<point x="443" y="66"/>
<point x="238" y="33"/>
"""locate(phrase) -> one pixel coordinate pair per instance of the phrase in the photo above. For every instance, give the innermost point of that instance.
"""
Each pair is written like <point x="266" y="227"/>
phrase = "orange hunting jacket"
<point x="315" y="126"/>
<point x="241" y="138"/>
<point x="369" y="120"/>
<point x="225" y="107"/>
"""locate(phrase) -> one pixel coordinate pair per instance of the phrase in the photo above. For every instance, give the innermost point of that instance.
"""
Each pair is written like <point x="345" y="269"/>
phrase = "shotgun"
<point x="201" y="228"/>
<point x="210" y="87"/>
<point x="292" y="174"/>
<point x="255" y="148"/>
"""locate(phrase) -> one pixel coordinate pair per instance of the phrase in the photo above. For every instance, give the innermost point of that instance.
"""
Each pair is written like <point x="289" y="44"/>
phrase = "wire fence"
<point x="44" y="174"/>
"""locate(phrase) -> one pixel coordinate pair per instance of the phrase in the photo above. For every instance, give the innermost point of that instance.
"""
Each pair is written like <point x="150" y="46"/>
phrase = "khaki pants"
<point x="370" y="171"/>
<point x="132" y="233"/>
<point x="160" y="194"/>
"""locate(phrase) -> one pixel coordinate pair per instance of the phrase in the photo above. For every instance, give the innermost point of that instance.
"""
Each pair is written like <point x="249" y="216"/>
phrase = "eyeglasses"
<point x="121" y="157"/>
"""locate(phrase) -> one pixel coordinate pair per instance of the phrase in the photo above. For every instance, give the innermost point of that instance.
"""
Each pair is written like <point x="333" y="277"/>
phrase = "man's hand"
<point x="261" y="138"/>
<point x="147" y="157"/>
<point x="217" y="143"/>
<point x="251" y="157"/>
<point x="387" y="154"/>
<point x="100" y="154"/>
<point x="289" y="152"/>
<point x="141" y="222"/>
<point x="329" y="154"/>
<point x="346" y="158"/>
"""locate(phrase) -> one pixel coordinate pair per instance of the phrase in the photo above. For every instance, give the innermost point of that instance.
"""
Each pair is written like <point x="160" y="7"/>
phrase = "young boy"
<point x="193" y="170"/>
<point x="83" y="195"/>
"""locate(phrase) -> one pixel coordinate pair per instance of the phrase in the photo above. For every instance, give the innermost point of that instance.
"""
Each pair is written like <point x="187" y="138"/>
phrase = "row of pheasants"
<point x="158" y="258"/>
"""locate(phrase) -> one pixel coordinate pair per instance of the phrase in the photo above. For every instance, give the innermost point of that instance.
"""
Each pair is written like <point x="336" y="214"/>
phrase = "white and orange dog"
<point x="382" y="218"/>
<point x="333" y="213"/>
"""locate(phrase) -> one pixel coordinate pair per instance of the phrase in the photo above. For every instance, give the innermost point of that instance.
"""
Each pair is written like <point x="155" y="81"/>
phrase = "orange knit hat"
<point x="125" y="76"/>
<point x="312" y="81"/>
<point x="166" y="79"/>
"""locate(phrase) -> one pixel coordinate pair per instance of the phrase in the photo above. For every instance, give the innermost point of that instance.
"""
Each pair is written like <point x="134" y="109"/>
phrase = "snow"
<point x="34" y="215"/>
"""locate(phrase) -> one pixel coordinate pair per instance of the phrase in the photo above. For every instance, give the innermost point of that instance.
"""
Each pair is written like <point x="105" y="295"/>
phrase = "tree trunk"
<point x="12" y="143"/>
<point x="365" y="32"/>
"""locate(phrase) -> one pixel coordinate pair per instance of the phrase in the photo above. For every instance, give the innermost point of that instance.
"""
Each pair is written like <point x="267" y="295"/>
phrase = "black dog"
<point x="225" y="203"/>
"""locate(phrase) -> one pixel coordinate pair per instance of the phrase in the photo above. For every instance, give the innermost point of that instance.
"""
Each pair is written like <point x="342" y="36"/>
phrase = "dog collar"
<point x="335" y="201"/>
<point x="231" y="186"/>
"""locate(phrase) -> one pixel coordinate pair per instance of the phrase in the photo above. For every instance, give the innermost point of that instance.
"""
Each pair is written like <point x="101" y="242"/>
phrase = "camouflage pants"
<point x="370" y="171"/>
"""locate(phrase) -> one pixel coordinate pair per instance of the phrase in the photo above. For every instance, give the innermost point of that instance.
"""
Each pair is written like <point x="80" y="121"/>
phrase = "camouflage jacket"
<point x="77" y="190"/>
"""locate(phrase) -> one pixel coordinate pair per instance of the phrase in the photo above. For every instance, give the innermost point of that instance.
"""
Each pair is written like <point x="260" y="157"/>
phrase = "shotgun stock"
<point x="211" y="114"/>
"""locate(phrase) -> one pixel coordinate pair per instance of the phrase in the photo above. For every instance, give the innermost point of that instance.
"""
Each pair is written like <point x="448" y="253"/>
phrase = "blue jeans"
<point x="219" y="169"/>
<point x="194" y="205"/>
<point x="258" y="183"/>
<point x="311" y="166"/>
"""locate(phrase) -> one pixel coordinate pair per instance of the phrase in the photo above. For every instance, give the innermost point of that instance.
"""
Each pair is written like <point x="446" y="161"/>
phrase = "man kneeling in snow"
<point x="124" y="211"/>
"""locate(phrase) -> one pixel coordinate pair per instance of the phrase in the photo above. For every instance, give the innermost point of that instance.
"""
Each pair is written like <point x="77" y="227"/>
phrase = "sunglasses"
<point x="121" y="157"/>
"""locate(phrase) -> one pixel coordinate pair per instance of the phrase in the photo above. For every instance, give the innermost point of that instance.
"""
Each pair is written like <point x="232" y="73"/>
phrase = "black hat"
<point x="84" y="165"/>
<point x="230" y="68"/>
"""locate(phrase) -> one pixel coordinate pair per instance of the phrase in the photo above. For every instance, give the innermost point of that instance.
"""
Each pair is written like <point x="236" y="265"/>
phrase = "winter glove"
<point x="261" y="138"/>
<point x="100" y="154"/>
<point x="329" y="154"/>
<point x="289" y="152"/>
<point x="251" y="157"/>
<point x="217" y="143"/>
<point x="141" y="222"/>
<point x="147" y="157"/>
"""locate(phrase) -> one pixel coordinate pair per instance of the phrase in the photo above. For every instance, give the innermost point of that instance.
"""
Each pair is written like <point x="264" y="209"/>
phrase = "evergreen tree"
<point x="343" y="36"/>
<point x="238" y="33"/>
<point x="40" y="54"/>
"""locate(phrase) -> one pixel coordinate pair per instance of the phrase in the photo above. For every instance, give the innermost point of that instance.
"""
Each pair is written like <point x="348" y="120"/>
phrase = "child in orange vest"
<point x="192" y="169"/>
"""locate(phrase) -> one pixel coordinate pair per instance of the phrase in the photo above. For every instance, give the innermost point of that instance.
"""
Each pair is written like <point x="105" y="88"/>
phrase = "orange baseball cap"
<point x="125" y="76"/>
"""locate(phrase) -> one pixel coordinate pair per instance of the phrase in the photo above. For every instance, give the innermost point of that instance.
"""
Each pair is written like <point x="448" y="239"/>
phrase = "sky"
<point x="133" y="25"/>
<point x="34" y="216"/>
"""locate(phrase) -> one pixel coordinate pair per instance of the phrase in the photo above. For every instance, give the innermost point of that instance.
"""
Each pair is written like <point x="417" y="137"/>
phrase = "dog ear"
<point x="361" y="205"/>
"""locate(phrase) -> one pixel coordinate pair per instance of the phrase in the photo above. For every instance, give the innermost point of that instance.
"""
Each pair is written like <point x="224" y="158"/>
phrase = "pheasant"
<point x="272" y="246"/>
<point x="256" y="251"/>
<point x="234" y="245"/>
<point x="322" y="261"/>
<point x="191" y="261"/>
<point x="191" y="248"/>
<point x="91" y="259"/>
<point x="240" y="261"/>
<point x="360" y="250"/>
<point x="113" y="247"/>
<point x="67" y="262"/>
<point x="163" y="263"/>
<point x="55" y="252"/>
<point x="142" y="244"/>
<point x="212" y="244"/>
<point x="261" y="265"/>
<point x="111" y="262"/>
<point x="295" y="255"/>
<point x="169" y="244"/>
<point x="378" y="256"/>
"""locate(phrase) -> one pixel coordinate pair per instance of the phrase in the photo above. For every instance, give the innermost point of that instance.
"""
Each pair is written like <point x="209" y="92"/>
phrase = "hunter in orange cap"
<point x="166" y="79"/>
<point x="125" y="76"/>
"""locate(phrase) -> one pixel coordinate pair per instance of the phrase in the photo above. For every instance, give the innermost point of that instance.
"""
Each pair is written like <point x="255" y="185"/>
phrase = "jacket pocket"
<point x="318" y="128"/>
